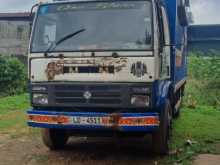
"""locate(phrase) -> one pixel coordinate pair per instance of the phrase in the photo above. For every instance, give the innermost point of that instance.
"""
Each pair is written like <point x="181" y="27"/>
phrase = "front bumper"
<point x="122" y="122"/>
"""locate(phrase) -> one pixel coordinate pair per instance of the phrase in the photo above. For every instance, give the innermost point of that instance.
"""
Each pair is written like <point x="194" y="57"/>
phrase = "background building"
<point x="14" y="33"/>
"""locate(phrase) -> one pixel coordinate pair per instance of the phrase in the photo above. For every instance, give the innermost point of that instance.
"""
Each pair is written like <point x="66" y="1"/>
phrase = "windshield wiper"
<point x="54" y="44"/>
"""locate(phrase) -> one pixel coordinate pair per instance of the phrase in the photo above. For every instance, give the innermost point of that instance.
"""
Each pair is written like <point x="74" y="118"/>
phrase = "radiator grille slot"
<point x="100" y="95"/>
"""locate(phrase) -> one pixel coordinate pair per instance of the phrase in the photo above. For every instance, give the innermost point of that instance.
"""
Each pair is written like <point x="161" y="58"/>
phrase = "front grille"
<point x="100" y="95"/>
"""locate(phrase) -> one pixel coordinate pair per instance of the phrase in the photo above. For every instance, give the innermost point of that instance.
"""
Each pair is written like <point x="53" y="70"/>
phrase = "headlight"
<point x="40" y="99"/>
<point x="140" y="100"/>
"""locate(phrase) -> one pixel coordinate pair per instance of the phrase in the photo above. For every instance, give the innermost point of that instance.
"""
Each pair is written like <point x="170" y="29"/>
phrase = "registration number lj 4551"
<point x="90" y="120"/>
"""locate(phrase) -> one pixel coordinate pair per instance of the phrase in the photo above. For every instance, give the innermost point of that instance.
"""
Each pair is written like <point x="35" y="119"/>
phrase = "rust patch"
<point x="114" y="120"/>
<point x="53" y="69"/>
<point x="179" y="57"/>
<point x="63" y="66"/>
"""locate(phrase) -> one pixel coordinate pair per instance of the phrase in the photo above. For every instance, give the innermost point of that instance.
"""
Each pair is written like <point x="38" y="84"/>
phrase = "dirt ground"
<point x="79" y="151"/>
<point x="84" y="151"/>
<point x="207" y="159"/>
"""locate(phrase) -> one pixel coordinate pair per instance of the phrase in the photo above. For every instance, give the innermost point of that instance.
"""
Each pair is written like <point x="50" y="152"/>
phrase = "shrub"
<point x="204" y="68"/>
<point x="204" y="80"/>
<point x="12" y="76"/>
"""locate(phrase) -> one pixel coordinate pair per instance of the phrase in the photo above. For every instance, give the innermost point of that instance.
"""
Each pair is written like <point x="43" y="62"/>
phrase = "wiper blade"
<point x="69" y="36"/>
<point x="53" y="45"/>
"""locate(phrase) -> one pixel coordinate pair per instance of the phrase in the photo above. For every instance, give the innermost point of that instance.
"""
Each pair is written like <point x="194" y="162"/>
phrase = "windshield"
<point x="121" y="25"/>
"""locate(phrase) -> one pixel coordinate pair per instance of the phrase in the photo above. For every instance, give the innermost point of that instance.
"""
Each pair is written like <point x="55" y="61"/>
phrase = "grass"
<point x="12" y="115"/>
<point x="13" y="103"/>
<point x="202" y="93"/>
<point x="201" y="126"/>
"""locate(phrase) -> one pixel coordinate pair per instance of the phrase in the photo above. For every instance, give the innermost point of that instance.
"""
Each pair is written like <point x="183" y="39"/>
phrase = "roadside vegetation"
<point x="12" y="76"/>
<point x="197" y="130"/>
<point x="203" y="81"/>
<point x="12" y="115"/>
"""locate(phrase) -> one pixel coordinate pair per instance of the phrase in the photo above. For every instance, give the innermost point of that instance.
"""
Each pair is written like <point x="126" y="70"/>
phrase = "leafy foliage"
<point x="204" y="68"/>
<point x="12" y="76"/>
<point x="204" y="80"/>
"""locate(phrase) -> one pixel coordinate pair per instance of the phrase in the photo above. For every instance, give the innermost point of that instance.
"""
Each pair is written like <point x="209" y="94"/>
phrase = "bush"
<point x="205" y="68"/>
<point x="203" y="80"/>
<point x="12" y="76"/>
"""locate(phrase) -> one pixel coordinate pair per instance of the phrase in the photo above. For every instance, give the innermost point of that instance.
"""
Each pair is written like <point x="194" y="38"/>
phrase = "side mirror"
<point x="182" y="15"/>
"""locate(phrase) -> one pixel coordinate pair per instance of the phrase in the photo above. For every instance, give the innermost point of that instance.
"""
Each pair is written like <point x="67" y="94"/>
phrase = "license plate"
<point x="78" y="120"/>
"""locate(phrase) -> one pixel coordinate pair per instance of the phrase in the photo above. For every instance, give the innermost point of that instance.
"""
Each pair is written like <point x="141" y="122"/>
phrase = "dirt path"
<point x="31" y="151"/>
<point x="207" y="159"/>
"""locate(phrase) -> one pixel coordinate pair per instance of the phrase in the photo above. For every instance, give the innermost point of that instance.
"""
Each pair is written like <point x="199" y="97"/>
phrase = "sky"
<point x="204" y="11"/>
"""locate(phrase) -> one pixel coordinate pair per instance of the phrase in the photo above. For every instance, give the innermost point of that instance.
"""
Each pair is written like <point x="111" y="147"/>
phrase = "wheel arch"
<point x="166" y="91"/>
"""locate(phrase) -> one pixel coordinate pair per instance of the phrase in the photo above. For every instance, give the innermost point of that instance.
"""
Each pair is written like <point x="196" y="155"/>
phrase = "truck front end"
<point x="94" y="67"/>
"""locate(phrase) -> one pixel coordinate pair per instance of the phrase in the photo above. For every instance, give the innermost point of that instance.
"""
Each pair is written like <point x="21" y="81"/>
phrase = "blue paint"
<point x="138" y="129"/>
<point x="164" y="87"/>
<point x="90" y="114"/>
<point x="160" y="93"/>
<point x="171" y="12"/>
<point x="160" y="90"/>
<point x="178" y="38"/>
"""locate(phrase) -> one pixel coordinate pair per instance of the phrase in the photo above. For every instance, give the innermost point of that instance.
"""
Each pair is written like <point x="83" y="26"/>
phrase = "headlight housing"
<point x="41" y="99"/>
<point x="140" y="100"/>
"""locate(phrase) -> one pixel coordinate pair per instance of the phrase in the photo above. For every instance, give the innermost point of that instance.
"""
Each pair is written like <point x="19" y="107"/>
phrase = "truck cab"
<point x="107" y="67"/>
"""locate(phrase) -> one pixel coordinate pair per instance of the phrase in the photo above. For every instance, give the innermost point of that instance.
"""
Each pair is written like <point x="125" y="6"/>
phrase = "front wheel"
<point x="160" y="137"/>
<point x="54" y="139"/>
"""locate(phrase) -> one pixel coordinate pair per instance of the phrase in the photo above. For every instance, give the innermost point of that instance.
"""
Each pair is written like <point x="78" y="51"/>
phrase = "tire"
<point x="54" y="139"/>
<point x="160" y="138"/>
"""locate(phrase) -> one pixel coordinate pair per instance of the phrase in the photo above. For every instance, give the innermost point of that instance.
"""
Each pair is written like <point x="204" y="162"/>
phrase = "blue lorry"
<point x="106" y="68"/>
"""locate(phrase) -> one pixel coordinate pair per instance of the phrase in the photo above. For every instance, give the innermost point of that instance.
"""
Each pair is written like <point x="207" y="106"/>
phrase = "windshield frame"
<point x="89" y="50"/>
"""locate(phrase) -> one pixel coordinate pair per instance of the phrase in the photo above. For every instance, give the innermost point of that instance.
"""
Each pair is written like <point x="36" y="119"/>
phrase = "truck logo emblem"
<point x="87" y="95"/>
<point x="138" y="69"/>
